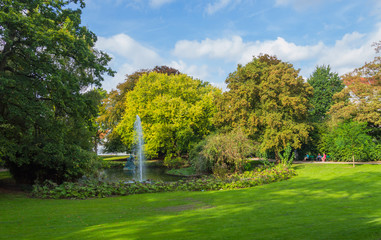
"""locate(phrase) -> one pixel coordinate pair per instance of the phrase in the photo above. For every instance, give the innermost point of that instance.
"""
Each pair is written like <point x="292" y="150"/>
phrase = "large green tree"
<point x="47" y="62"/>
<point x="325" y="84"/>
<point x="269" y="99"/>
<point x="176" y="111"/>
<point x="112" y="109"/>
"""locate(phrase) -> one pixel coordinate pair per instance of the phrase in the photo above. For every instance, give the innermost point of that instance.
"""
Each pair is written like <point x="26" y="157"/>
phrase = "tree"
<point x="176" y="112"/>
<point x="269" y="100"/>
<point x="112" y="109"/>
<point x="227" y="151"/>
<point x="47" y="62"/>
<point x="361" y="99"/>
<point x="325" y="84"/>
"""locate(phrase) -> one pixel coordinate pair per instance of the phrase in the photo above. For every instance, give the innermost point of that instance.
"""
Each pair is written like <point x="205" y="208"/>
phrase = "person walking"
<point x="324" y="157"/>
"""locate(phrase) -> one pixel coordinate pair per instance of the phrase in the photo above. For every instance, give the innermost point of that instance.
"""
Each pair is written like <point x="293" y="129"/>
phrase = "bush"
<point x="199" y="162"/>
<point x="95" y="188"/>
<point x="174" y="162"/>
<point x="350" y="140"/>
<point x="66" y="164"/>
<point x="223" y="153"/>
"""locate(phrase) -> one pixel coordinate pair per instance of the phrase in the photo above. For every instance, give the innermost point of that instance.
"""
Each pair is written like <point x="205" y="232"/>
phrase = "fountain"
<point x="139" y="150"/>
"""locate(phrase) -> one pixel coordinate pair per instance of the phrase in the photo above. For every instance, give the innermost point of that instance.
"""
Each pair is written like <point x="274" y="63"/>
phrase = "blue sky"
<point x="206" y="39"/>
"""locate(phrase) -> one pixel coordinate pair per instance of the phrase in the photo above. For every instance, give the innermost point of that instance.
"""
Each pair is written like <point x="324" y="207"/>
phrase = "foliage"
<point x="113" y="107"/>
<point x="269" y="100"/>
<point x="47" y="62"/>
<point x="176" y="112"/>
<point x="95" y="188"/>
<point x="325" y="84"/>
<point x="361" y="100"/>
<point x="171" y="161"/>
<point x="223" y="153"/>
<point x="287" y="157"/>
<point x="198" y="161"/>
<point x="349" y="141"/>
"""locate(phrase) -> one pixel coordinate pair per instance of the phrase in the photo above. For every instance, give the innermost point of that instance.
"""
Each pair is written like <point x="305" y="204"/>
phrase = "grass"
<point x="114" y="157"/>
<point x="5" y="175"/>
<point x="322" y="202"/>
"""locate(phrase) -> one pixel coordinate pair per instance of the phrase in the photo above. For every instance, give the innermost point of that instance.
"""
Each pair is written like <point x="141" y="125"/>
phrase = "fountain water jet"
<point x="139" y="150"/>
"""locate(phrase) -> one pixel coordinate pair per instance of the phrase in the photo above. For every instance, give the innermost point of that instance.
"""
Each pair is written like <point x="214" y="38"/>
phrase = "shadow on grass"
<point x="345" y="206"/>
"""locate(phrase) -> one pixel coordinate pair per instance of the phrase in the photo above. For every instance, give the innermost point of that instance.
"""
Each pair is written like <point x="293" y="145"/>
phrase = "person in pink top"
<point x="324" y="157"/>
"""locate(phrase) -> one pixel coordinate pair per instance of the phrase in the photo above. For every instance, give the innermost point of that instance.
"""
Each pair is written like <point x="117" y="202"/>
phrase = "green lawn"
<point x="113" y="157"/>
<point x="322" y="202"/>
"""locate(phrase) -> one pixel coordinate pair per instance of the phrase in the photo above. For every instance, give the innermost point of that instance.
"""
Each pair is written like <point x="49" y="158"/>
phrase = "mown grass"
<point x="322" y="202"/>
<point x="113" y="157"/>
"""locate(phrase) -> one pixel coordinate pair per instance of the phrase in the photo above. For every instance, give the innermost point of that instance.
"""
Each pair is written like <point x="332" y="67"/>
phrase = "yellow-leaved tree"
<point x="176" y="112"/>
<point x="269" y="100"/>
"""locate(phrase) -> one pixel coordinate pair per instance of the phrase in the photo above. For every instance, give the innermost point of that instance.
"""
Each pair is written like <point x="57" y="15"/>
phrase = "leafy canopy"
<point x="112" y="109"/>
<point x="47" y="61"/>
<point x="176" y="112"/>
<point x="349" y="141"/>
<point x="361" y="99"/>
<point x="325" y="84"/>
<point x="269" y="100"/>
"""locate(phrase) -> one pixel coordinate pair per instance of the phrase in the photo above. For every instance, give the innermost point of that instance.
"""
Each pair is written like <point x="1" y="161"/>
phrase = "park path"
<point x="326" y="162"/>
<point x="320" y="162"/>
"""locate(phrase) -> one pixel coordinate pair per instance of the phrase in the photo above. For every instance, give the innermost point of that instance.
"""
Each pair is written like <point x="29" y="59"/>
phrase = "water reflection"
<point x="155" y="174"/>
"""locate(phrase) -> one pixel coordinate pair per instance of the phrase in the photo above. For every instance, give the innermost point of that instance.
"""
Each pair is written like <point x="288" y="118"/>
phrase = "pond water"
<point x="155" y="174"/>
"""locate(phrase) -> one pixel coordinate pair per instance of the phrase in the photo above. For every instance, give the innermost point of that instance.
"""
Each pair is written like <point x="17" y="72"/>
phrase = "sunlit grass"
<point x="114" y="157"/>
<point x="322" y="202"/>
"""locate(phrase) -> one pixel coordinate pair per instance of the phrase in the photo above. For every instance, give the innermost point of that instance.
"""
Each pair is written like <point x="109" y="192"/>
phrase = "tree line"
<point x="53" y="111"/>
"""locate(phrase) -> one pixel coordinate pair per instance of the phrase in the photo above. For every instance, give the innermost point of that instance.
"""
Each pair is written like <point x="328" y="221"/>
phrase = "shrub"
<point x="96" y="189"/>
<point x="226" y="152"/>
<point x="68" y="164"/>
<point x="348" y="141"/>
<point x="174" y="162"/>
<point x="287" y="157"/>
<point x="199" y="162"/>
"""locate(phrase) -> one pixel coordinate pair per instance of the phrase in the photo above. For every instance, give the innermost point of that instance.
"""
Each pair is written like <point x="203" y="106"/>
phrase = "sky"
<point x="207" y="39"/>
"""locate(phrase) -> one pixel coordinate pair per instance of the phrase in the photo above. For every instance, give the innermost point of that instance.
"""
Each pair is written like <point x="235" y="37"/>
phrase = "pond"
<point x="153" y="173"/>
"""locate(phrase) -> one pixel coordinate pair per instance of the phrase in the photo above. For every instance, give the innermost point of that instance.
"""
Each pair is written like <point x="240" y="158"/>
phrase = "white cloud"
<point x="158" y="3"/>
<point x="349" y="52"/>
<point x="229" y="49"/>
<point x="235" y="49"/>
<point x="200" y="72"/>
<point x="218" y="5"/>
<point x="123" y="46"/>
<point x="212" y="59"/>
<point x="127" y="55"/>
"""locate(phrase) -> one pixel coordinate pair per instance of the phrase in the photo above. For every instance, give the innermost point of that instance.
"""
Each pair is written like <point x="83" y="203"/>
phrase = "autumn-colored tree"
<point x="361" y="99"/>
<point x="113" y="108"/>
<point x="176" y="112"/>
<point x="269" y="100"/>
